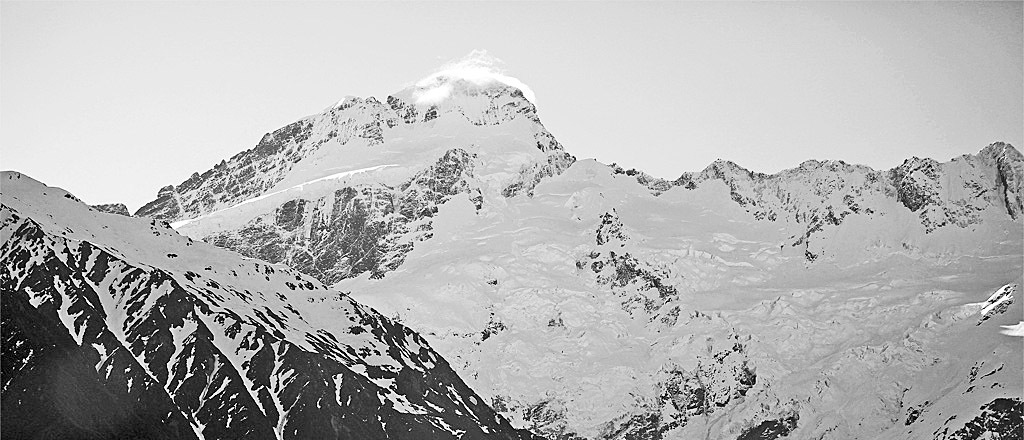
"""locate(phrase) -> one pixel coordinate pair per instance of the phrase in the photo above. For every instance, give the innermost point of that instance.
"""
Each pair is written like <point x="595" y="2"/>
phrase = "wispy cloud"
<point x="478" y="67"/>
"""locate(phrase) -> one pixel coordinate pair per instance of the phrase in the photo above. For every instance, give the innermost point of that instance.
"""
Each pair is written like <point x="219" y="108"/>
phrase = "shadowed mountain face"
<point x="115" y="327"/>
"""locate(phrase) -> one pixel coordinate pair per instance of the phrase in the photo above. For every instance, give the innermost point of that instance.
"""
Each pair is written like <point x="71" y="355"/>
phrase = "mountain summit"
<point x="478" y="68"/>
<point x="352" y="189"/>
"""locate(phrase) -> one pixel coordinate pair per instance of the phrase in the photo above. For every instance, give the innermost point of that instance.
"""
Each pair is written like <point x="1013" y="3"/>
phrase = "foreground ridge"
<point x="115" y="327"/>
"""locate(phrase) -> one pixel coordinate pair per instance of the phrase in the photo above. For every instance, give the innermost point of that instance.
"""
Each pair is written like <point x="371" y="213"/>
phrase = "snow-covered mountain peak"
<point x="482" y="112"/>
<point x="1001" y="149"/>
<point x="344" y="103"/>
<point x="478" y="69"/>
<point x="393" y="160"/>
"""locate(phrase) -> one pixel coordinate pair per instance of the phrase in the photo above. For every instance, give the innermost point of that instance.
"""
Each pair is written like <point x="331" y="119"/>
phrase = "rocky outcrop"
<point x="822" y="193"/>
<point x="644" y="286"/>
<point x="719" y="377"/>
<point x="771" y="429"/>
<point x="113" y="208"/>
<point x="166" y="205"/>
<point x="1009" y="166"/>
<point x="1001" y="418"/>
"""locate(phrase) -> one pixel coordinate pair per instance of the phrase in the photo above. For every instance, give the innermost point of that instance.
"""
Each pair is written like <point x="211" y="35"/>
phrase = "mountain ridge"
<point x="352" y="119"/>
<point x="380" y="135"/>
<point x="106" y="311"/>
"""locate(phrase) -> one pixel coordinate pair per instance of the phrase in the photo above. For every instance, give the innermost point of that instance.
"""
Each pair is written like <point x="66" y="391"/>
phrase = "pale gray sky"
<point x="111" y="101"/>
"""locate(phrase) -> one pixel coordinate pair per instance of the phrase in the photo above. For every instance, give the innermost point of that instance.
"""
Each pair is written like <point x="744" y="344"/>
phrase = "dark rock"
<point x="113" y="208"/>
<point x="771" y="429"/>
<point x="358" y="229"/>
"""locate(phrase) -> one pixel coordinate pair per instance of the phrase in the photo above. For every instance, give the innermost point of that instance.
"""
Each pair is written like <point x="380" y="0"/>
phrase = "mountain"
<point x="118" y="327"/>
<point x="822" y="193"/>
<point x="582" y="300"/>
<point x="352" y="189"/>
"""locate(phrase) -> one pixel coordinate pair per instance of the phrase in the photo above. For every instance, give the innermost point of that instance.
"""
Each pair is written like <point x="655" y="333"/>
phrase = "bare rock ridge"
<point x="118" y="327"/>
<point x="113" y="208"/>
<point x="369" y="228"/>
<point x="821" y="193"/>
<point x="353" y="120"/>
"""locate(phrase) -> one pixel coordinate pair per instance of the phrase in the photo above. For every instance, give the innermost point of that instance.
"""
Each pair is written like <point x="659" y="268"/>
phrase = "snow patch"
<point x="1013" y="330"/>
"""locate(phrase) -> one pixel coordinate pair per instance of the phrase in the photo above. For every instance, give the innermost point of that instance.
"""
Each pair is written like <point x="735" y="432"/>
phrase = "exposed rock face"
<point x="1001" y="418"/>
<point x="771" y="429"/>
<point x="165" y="207"/>
<point x="954" y="193"/>
<point x="124" y="329"/>
<point x="644" y="286"/>
<point x="361" y="122"/>
<point x="370" y="226"/>
<point x="367" y="228"/>
<point x="113" y="208"/>
<point x="1009" y="165"/>
<point x="716" y="380"/>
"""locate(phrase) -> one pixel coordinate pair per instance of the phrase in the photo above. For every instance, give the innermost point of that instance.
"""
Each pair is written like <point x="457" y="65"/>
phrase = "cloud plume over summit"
<point x="479" y="67"/>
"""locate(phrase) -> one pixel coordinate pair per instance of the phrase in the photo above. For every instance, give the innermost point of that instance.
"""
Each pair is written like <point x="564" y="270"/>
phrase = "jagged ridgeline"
<point x="367" y="222"/>
<point x="286" y="201"/>
<point x="117" y="327"/>
<point x="820" y="194"/>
